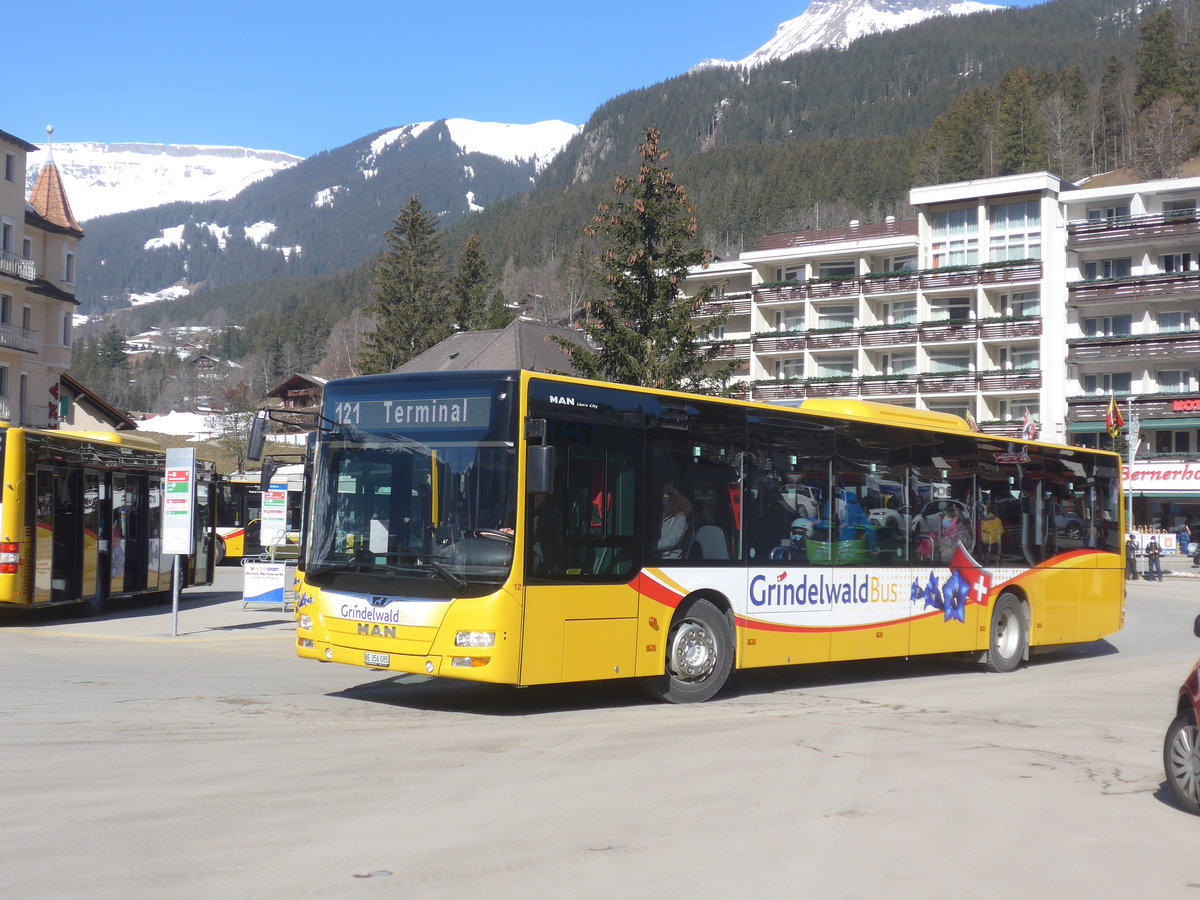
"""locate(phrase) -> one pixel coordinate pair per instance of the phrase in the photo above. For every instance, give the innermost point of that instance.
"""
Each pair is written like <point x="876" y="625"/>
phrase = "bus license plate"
<point x="382" y="660"/>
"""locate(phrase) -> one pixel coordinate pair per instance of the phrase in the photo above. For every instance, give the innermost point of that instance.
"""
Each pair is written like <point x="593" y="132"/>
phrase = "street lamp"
<point x="1133" y="436"/>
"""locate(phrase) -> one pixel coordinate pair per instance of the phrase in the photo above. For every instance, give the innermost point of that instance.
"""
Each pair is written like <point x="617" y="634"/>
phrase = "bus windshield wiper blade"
<point x="456" y="580"/>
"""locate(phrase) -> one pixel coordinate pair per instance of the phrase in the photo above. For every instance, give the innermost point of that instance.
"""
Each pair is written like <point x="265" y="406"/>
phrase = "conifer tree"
<point x="1020" y="130"/>
<point x="409" y="307"/>
<point x="644" y="331"/>
<point x="1159" y="68"/>
<point x="471" y="287"/>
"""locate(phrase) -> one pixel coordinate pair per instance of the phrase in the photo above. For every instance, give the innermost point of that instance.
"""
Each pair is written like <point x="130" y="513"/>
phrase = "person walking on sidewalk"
<point x="1131" y="552"/>
<point x="1153" y="560"/>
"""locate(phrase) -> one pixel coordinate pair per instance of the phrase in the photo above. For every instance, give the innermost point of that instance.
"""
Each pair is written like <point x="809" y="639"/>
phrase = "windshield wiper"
<point x="456" y="580"/>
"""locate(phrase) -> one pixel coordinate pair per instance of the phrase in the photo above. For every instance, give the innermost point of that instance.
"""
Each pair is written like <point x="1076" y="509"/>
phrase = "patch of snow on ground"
<point x="199" y="427"/>
<point x="220" y="232"/>
<point x="325" y="197"/>
<point x="471" y="204"/>
<point x="259" y="232"/>
<point x="171" y="293"/>
<point x="168" y="237"/>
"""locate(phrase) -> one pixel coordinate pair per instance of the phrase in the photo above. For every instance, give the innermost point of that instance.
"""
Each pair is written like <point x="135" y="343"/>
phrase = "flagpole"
<point x="1132" y="436"/>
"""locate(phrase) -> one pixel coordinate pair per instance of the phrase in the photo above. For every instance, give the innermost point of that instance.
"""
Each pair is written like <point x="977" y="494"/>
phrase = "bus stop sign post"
<point x="178" y="512"/>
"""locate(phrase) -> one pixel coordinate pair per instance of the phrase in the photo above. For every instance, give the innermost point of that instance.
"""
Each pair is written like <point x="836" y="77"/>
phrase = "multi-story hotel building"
<point x="38" y="238"/>
<point x="1008" y="301"/>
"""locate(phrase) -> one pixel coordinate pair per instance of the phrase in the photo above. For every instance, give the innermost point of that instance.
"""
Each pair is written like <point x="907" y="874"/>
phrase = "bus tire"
<point x="699" y="655"/>
<point x="218" y="551"/>
<point x="1008" y="637"/>
<point x="94" y="605"/>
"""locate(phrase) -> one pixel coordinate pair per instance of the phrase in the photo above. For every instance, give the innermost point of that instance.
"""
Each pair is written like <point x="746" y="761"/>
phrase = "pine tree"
<point x="1159" y="66"/>
<point x="1020" y="130"/>
<point x="410" y="293"/>
<point x="643" y="329"/>
<point x="471" y="287"/>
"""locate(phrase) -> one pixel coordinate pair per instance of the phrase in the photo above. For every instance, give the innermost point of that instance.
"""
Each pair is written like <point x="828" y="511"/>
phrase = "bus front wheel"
<point x="218" y="551"/>
<point x="699" y="655"/>
<point x="1009" y="635"/>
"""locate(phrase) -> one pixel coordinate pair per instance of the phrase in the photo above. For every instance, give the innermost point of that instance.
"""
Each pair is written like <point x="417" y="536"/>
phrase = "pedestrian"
<point x="1153" y="560"/>
<point x="1131" y="552"/>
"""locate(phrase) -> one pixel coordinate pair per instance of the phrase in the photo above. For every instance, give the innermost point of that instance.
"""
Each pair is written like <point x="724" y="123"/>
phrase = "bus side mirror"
<point x="539" y="479"/>
<point x="268" y="472"/>
<point x="258" y="436"/>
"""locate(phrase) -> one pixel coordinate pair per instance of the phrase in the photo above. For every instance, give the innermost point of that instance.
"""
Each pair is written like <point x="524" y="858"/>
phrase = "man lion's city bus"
<point x="522" y="528"/>
<point x="239" y="513"/>
<point x="81" y="519"/>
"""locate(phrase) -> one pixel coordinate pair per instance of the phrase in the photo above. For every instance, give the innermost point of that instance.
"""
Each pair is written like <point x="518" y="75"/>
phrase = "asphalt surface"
<point x="217" y="763"/>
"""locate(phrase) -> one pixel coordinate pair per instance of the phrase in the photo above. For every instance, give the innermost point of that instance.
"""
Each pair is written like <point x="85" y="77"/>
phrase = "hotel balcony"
<point x="1162" y="408"/>
<point x="880" y="388"/>
<point x="13" y="338"/>
<point x="1125" y="229"/>
<point x="733" y="305"/>
<point x="1161" y="286"/>
<point x="18" y="266"/>
<point x="1164" y="345"/>
<point x="733" y="350"/>
<point x="1022" y="271"/>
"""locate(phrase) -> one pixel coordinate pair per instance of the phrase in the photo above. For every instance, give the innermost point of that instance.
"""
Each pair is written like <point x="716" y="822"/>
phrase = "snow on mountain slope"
<point x="102" y="179"/>
<point x="539" y="142"/>
<point x="835" y="23"/>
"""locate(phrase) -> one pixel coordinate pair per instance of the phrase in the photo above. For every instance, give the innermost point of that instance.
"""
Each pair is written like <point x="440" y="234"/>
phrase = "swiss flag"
<point x="978" y="579"/>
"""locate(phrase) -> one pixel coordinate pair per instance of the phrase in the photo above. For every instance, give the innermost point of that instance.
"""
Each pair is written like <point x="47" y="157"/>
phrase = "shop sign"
<point x="1181" y="477"/>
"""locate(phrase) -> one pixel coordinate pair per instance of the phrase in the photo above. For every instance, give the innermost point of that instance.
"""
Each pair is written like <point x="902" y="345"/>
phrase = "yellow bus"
<point x="522" y="528"/>
<point x="239" y="512"/>
<point x="81" y="519"/>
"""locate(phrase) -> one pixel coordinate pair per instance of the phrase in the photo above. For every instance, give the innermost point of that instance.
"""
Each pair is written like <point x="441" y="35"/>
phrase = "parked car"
<point x="1068" y="524"/>
<point x="1181" y="748"/>
<point x="893" y="518"/>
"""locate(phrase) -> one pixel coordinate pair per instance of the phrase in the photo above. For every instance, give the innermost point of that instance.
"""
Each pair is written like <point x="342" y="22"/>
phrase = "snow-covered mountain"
<point x="835" y="23"/>
<point x="102" y="179"/>
<point x="537" y="143"/>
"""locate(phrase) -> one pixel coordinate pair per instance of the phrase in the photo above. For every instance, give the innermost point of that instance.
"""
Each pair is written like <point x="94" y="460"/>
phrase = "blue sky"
<point x="305" y="76"/>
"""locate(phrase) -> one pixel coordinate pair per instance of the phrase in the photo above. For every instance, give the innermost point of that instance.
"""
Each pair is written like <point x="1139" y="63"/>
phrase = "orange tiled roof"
<point x="50" y="199"/>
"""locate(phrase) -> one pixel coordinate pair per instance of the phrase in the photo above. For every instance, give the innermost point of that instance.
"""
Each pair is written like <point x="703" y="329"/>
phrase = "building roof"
<point x="23" y="144"/>
<point x="97" y="405"/>
<point x="523" y="344"/>
<point x="49" y="199"/>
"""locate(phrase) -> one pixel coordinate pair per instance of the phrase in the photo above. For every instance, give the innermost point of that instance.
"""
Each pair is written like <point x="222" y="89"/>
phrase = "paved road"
<point x="216" y="763"/>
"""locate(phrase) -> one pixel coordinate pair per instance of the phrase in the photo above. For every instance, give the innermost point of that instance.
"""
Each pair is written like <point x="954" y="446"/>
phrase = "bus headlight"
<point x="475" y="639"/>
<point x="305" y="622"/>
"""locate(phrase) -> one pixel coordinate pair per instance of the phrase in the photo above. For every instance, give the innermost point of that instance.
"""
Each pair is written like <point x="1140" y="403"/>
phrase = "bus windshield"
<point x="433" y="520"/>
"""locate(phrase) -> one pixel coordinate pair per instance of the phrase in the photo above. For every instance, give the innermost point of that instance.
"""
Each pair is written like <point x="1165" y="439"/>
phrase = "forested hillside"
<point x="1074" y="86"/>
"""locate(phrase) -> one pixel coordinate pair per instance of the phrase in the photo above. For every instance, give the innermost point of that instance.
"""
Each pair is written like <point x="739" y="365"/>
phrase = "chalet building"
<point x="38" y="239"/>
<point x="1022" y="303"/>
<point x="299" y="392"/>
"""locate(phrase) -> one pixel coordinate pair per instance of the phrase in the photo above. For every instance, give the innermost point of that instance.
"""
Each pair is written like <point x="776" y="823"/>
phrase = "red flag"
<point x="1113" y="421"/>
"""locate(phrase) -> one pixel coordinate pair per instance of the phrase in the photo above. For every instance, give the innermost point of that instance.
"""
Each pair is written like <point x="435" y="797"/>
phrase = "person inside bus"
<point x="951" y="530"/>
<point x="676" y="529"/>
<point x="796" y="550"/>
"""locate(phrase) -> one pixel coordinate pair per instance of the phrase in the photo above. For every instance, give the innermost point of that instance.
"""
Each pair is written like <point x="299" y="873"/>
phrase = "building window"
<point x="1015" y="231"/>
<point x="1174" y="381"/>
<point x="718" y="291"/>
<point x="1169" y="322"/>
<point x="1173" y="442"/>
<point x="835" y="317"/>
<point x="10" y="166"/>
<point x="955" y="237"/>
<point x="959" y="408"/>
<point x="6" y="237"/>
<point x="790" y="273"/>
<point x="1108" y="268"/>
<point x="1108" y="326"/>
<point x="834" y="366"/>
<point x="943" y="309"/>
<point x="1179" y="208"/>
<point x="842" y="269"/>
<point x="3" y="381"/>
<point x="1013" y="409"/>
<point x="900" y="312"/>
<point x="899" y="363"/>
<point x="1108" y="383"/>
<point x="1020" y="358"/>
<point x="789" y="319"/>
<point x="900" y="263"/>
<point x="789" y="368"/>
<point x="5" y="309"/>
<point x="1175" y="262"/>
<point x="1024" y="303"/>
<point x="27" y="317"/>
<point x="66" y="329"/>
<point x="1111" y="213"/>
<point x="69" y="268"/>
<point x="947" y="361"/>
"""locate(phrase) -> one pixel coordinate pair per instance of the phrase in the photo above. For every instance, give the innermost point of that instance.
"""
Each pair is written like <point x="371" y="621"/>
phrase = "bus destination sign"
<point x="414" y="413"/>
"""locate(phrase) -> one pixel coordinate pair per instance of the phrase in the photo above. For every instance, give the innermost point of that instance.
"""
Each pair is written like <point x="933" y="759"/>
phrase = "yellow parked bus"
<point x="81" y="519"/>
<point x="523" y="528"/>
<point x="239" y="512"/>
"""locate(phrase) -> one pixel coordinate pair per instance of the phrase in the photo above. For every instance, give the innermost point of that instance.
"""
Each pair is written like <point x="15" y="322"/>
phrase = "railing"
<point x="35" y="416"/>
<point x="926" y="280"/>
<point x="1160" y="405"/>
<point x="740" y="307"/>
<point x="1123" y="228"/>
<point x="1163" y="345"/>
<point x="733" y="350"/>
<point x="1166" y="285"/>
<point x="926" y="383"/>
<point x="18" y="266"/>
<point x="901" y="228"/>
<point x="14" y="338"/>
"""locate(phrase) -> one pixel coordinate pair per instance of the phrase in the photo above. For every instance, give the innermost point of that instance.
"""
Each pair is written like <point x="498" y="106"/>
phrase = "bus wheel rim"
<point x="693" y="654"/>
<point x="1008" y="632"/>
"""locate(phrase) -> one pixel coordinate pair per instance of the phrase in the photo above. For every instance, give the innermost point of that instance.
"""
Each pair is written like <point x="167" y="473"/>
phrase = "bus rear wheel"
<point x="218" y="551"/>
<point x="699" y="655"/>
<point x="1008" y="637"/>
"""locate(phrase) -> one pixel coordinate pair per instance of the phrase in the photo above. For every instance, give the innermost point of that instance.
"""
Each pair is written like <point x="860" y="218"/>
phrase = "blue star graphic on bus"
<point x="918" y="592"/>
<point x="933" y="594"/>
<point x="956" y="591"/>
